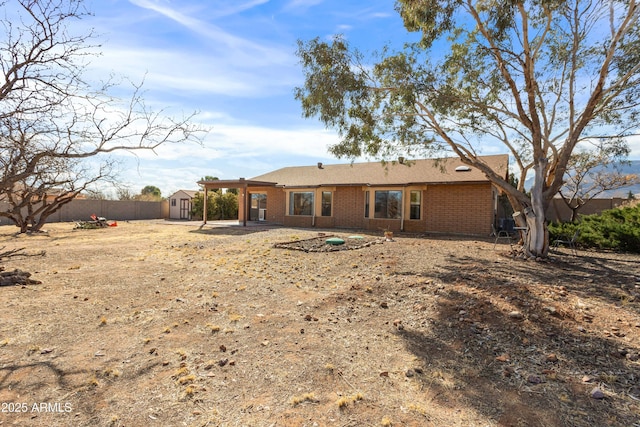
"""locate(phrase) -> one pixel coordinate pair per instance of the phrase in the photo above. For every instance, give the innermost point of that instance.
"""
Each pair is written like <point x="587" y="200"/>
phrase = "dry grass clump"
<point x="345" y="401"/>
<point x="303" y="398"/>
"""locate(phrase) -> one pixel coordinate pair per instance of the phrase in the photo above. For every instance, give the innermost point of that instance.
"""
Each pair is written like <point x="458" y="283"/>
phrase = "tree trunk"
<point x="537" y="241"/>
<point x="574" y="214"/>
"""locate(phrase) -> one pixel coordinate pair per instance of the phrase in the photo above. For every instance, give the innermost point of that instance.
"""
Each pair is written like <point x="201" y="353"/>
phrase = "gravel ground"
<point x="170" y="325"/>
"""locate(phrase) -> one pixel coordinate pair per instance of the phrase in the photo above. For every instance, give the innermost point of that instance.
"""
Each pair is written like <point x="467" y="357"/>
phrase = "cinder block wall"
<point x="558" y="209"/>
<point x="81" y="210"/>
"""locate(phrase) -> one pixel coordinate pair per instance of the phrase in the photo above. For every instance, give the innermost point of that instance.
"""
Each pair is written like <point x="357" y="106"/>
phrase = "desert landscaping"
<point x="159" y="324"/>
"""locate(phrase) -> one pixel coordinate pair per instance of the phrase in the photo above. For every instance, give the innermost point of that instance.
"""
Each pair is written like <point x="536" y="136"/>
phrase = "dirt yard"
<point x="153" y="324"/>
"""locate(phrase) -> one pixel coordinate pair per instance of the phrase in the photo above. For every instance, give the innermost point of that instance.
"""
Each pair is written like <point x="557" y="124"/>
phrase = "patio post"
<point x="247" y="204"/>
<point x="204" y="205"/>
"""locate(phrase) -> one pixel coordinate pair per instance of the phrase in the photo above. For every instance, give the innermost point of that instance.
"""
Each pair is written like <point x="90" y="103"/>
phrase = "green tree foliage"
<point x="150" y="193"/>
<point x="219" y="205"/>
<point x="537" y="77"/>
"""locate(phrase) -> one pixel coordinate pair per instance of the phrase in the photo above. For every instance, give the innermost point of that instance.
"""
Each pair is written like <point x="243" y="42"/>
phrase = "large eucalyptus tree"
<point x="537" y="77"/>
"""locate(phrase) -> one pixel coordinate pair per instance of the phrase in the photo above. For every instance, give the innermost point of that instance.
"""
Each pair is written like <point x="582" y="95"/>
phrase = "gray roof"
<point x="423" y="171"/>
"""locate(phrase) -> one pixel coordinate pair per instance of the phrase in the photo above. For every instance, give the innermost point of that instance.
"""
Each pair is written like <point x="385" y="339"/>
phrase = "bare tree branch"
<point x="51" y="119"/>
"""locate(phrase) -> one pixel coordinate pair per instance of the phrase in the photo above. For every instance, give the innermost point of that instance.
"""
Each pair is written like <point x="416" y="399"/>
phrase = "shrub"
<point x="614" y="229"/>
<point x="219" y="205"/>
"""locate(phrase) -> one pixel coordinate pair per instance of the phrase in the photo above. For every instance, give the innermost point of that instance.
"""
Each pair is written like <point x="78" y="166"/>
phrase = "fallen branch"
<point x="18" y="252"/>
<point x="16" y="277"/>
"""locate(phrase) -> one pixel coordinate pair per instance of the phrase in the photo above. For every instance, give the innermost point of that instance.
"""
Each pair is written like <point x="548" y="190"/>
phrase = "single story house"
<point x="428" y="195"/>
<point x="180" y="204"/>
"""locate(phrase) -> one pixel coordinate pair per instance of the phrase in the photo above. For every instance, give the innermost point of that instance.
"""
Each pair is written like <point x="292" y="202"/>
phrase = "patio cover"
<point x="241" y="183"/>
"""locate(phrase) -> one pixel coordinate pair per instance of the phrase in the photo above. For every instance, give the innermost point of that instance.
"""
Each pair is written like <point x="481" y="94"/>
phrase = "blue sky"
<point x="234" y="62"/>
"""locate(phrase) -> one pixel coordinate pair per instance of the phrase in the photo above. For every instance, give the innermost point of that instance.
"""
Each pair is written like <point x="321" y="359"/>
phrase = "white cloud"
<point x="231" y="142"/>
<point x="229" y="152"/>
<point x="634" y="145"/>
<point x="190" y="76"/>
<point x="209" y="30"/>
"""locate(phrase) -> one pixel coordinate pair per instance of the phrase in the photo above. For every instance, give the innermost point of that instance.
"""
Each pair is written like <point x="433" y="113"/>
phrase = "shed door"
<point x="185" y="209"/>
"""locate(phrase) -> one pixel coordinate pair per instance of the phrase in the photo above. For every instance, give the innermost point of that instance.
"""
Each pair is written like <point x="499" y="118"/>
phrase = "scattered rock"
<point x="534" y="379"/>
<point x="503" y="358"/>
<point x="596" y="393"/>
<point x="516" y="315"/>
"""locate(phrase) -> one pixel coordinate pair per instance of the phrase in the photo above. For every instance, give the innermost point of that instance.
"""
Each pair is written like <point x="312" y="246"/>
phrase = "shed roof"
<point x="190" y="193"/>
<point x="423" y="171"/>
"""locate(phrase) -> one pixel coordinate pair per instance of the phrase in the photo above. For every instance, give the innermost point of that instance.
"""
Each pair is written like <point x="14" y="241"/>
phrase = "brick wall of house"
<point x="298" y="221"/>
<point x="276" y="203"/>
<point x="326" y="222"/>
<point x="348" y="207"/>
<point x="415" y="226"/>
<point x="465" y="209"/>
